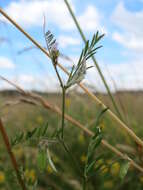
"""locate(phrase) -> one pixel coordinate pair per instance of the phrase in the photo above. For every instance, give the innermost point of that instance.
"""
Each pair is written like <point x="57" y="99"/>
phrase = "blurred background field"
<point x="22" y="117"/>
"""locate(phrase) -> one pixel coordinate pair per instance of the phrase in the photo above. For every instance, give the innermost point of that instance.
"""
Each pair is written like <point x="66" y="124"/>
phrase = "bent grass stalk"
<point x="90" y="94"/>
<point x="11" y="155"/>
<point x="44" y="103"/>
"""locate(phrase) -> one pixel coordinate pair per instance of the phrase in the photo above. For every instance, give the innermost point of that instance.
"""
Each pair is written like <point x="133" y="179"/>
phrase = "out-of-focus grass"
<point x="23" y="117"/>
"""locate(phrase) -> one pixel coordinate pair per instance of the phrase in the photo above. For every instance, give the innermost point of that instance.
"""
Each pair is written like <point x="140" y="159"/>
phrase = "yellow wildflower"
<point x="81" y="138"/>
<point x="102" y="126"/>
<point x="104" y="169"/>
<point x="55" y="159"/>
<point x="67" y="102"/>
<point x="83" y="158"/>
<point x="40" y="119"/>
<point x="99" y="162"/>
<point x="2" y="177"/>
<point x="109" y="162"/>
<point x="49" y="169"/>
<point x="108" y="184"/>
<point x="141" y="179"/>
<point x="30" y="175"/>
<point x="115" y="168"/>
<point x="18" y="152"/>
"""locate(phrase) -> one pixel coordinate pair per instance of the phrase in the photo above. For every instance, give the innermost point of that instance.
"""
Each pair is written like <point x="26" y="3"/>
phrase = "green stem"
<point x="84" y="184"/>
<point x="57" y="73"/>
<point x="72" y="158"/>
<point x="94" y="60"/>
<point x="63" y="112"/>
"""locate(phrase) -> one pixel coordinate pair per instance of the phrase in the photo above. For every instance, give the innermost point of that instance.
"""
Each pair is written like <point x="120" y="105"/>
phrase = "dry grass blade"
<point x="127" y="149"/>
<point x="57" y="110"/>
<point x="110" y="113"/>
<point x="11" y="155"/>
<point x="21" y="100"/>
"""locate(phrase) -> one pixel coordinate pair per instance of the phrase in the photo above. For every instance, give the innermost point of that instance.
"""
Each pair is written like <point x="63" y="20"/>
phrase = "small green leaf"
<point x="50" y="161"/>
<point x="98" y="37"/>
<point x="30" y="133"/>
<point x="86" y="47"/>
<point x="124" y="169"/>
<point x="78" y="72"/>
<point x="90" y="167"/>
<point x="99" y="117"/>
<point x="43" y="133"/>
<point x="42" y="160"/>
<point x="94" y="50"/>
<point x="93" y="41"/>
<point x="90" y="55"/>
<point x="39" y="131"/>
<point x="97" y="33"/>
<point x="93" y="145"/>
<point x="81" y="56"/>
<point x="70" y="76"/>
<point x="17" y="139"/>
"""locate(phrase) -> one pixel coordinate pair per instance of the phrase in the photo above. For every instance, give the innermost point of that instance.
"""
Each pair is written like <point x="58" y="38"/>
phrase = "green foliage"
<point x="34" y="134"/>
<point x="93" y="144"/>
<point x="50" y="161"/>
<point x="78" y="72"/>
<point x="42" y="160"/>
<point x="40" y="135"/>
<point x="17" y="139"/>
<point x="124" y="169"/>
<point x="81" y="108"/>
<point x="99" y="117"/>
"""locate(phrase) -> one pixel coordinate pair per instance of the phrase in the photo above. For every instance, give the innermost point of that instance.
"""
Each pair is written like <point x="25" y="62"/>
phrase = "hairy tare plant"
<point x="76" y="75"/>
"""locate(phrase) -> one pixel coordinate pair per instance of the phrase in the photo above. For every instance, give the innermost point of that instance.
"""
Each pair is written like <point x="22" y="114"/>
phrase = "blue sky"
<point x="120" y="58"/>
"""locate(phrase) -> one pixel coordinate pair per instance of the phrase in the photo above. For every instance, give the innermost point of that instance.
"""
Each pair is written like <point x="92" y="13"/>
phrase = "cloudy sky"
<point x="121" y="58"/>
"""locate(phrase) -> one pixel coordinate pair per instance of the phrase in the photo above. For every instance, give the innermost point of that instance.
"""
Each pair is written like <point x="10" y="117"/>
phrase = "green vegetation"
<point x="24" y="118"/>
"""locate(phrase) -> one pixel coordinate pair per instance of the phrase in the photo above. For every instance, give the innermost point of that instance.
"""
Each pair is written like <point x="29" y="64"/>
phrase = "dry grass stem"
<point x="57" y="110"/>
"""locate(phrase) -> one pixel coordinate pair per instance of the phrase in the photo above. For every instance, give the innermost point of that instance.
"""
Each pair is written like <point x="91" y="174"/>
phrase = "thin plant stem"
<point x="84" y="184"/>
<point x="72" y="158"/>
<point x="93" y="58"/>
<point x="61" y="138"/>
<point x="11" y="155"/>
<point x="83" y="87"/>
<point x="57" y="73"/>
<point x="63" y="112"/>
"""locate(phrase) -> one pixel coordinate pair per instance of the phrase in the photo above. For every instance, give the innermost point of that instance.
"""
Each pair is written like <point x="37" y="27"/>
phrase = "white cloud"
<point x="65" y="41"/>
<point x="6" y="63"/>
<point x="131" y="26"/>
<point x="30" y="13"/>
<point x="134" y="42"/>
<point x="90" y="20"/>
<point x="26" y="78"/>
<point x="44" y="83"/>
<point x="47" y="83"/>
<point x="126" y="76"/>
